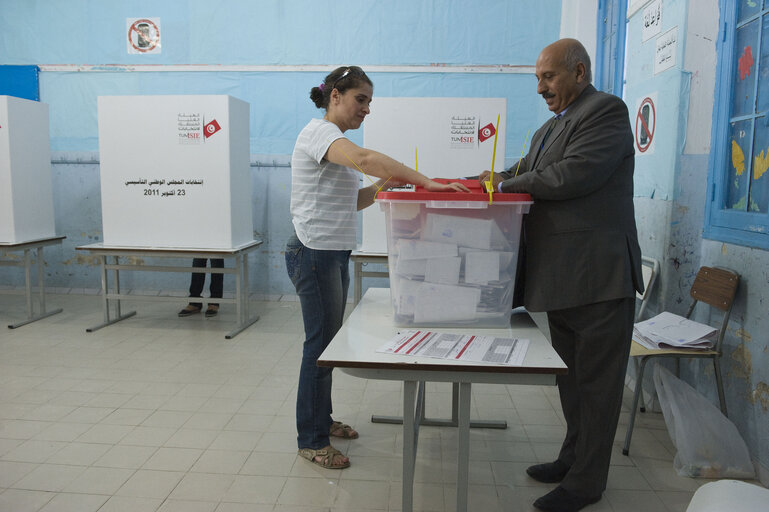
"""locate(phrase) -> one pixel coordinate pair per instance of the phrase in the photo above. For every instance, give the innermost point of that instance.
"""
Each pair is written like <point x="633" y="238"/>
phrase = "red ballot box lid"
<point x="476" y="194"/>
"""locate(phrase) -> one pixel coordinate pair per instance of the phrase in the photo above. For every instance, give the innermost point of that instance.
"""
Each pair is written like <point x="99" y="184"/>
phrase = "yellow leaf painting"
<point x="760" y="165"/>
<point x="738" y="158"/>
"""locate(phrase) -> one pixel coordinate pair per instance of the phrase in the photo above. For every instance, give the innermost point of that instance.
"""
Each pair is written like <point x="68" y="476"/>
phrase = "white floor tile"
<point x="162" y="414"/>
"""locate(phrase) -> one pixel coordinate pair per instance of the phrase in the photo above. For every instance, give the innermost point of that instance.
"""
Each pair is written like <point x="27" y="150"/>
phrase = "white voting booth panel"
<point x="26" y="197"/>
<point x="446" y="137"/>
<point x="175" y="171"/>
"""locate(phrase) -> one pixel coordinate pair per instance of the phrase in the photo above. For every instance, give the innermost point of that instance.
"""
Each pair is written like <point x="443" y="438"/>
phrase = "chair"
<point x="650" y="269"/>
<point x="715" y="287"/>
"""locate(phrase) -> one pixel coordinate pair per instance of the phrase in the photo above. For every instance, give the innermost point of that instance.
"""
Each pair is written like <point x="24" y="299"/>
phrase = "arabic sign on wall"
<point x="665" y="53"/>
<point x="652" y="20"/>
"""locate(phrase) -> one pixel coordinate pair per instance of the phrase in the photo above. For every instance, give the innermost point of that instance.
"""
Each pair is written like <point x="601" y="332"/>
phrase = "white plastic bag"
<point x="708" y="444"/>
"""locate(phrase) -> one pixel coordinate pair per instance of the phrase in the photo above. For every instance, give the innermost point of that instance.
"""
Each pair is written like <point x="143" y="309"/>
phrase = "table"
<point x="240" y="254"/>
<point x="370" y="325"/>
<point x="360" y="258"/>
<point x="27" y="247"/>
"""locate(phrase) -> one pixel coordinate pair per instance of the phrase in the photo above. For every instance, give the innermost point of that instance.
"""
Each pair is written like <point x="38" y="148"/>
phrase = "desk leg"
<point x="438" y="422"/>
<point x="241" y="297"/>
<point x="463" y="452"/>
<point x="28" y="280"/>
<point x="31" y="317"/>
<point x="358" y="279"/>
<point x="413" y="401"/>
<point x="105" y="300"/>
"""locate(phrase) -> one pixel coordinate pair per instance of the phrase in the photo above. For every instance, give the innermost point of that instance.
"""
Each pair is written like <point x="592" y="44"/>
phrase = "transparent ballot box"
<point x="452" y="257"/>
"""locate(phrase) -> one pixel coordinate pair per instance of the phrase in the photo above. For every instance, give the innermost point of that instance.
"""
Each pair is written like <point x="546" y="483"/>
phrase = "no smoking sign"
<point x="645" y="124"/>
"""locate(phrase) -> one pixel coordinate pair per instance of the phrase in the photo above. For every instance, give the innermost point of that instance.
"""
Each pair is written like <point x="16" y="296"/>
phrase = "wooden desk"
<point x="370" y="326"/>
<point x="240" y="254"/>
<point x="27" y="247"/>
<point x="360" y="258"/>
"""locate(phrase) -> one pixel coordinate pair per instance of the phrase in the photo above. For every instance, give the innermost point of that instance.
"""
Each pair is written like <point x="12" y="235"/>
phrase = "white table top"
<point x="370" y="325"/>
<point x="100" y="247"/>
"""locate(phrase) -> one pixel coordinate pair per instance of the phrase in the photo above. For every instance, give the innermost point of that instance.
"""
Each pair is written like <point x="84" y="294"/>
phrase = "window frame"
<point x="617" y="81"/>
<point x="722" y="224"/>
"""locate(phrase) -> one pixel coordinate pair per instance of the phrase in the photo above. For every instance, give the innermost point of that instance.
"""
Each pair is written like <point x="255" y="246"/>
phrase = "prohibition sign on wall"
<point x="144" y="35"/>
<point x="645" y="122"/>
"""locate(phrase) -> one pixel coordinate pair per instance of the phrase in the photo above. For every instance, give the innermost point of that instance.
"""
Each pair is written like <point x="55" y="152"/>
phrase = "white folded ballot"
<point x="668" y="330"/>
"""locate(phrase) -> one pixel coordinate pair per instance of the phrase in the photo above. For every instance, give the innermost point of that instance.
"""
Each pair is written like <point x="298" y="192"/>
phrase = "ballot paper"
<point x="668" y="330"/>
<point x="459" y="347"/>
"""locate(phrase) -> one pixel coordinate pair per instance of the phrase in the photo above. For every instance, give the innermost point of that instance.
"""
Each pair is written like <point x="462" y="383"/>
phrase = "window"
<point x="737" y="209"/>
<point x="610" y="51"/>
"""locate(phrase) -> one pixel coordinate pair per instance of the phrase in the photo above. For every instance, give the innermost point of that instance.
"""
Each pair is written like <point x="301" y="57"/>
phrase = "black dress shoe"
<point x="561" y="500"/>
<point x="549" y="473"/>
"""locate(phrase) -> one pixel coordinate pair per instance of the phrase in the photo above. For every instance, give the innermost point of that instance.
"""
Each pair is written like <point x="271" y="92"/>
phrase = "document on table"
<point x="460" y="347"/>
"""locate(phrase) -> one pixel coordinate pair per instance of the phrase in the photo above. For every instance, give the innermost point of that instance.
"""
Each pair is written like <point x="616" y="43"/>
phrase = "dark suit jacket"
<point x="581" y="244"/>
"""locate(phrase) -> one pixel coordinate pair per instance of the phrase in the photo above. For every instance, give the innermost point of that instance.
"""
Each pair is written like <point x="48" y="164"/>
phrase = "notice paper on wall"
<point x="459" y="347"/>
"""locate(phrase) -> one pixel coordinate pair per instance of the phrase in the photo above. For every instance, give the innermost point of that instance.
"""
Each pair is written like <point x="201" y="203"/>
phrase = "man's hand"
<point x="484" y="177"/>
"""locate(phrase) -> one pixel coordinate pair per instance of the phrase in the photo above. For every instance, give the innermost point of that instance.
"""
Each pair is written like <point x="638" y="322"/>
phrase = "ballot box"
<point x="26" y="196"/>
<point x="452" y="257"/>
<point x="175" y="171"/>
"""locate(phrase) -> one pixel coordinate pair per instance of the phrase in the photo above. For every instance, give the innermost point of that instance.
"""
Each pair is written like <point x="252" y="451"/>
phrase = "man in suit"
<point x="582" y="262"/>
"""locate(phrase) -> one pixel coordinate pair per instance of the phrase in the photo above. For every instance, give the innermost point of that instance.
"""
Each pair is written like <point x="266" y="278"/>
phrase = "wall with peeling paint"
<point x="670" y="224"/>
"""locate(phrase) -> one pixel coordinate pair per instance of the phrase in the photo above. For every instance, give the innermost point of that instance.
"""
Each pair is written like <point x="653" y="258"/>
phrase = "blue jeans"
<point x="321" y="279"/>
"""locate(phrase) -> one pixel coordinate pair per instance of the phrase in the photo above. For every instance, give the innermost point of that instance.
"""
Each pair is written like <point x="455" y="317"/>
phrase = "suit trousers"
<point x="594" y="342"/>
<point x="198" y="280"/>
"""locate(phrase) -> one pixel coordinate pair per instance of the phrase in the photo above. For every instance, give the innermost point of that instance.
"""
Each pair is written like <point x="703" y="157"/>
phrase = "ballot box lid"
<point x="477" y="194"/>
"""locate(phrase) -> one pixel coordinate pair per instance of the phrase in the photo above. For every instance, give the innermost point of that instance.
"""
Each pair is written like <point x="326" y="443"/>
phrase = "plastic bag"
<point x="708" y="444"/>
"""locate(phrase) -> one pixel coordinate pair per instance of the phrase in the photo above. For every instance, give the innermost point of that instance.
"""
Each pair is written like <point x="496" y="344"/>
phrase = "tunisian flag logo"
<point x="211" y="128"/>
<point x="486" y="132"/>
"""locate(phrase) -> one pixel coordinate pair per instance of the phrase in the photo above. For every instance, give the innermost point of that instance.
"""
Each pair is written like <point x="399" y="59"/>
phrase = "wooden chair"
<point x="715" y="287"/>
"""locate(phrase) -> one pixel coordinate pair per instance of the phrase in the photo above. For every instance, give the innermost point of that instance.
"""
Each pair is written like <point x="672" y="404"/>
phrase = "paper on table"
<point x="460" y="347"/>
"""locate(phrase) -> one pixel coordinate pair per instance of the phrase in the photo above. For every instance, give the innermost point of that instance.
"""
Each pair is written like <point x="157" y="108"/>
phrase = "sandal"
<point x="328" y="455"/>
<point x="339" y="429"/>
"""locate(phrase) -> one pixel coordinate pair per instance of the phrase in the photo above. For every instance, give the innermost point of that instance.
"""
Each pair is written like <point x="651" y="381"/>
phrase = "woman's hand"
<point x="434" y="186"/>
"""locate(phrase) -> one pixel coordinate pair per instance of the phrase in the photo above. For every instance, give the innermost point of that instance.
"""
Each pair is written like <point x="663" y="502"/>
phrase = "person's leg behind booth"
<point x="196" y="288"/>
<point x="216" y="288"/>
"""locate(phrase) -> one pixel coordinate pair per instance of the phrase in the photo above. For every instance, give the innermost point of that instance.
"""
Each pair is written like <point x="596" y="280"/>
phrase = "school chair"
<point x="715" y="287"/>
<point x="650" y="269"/>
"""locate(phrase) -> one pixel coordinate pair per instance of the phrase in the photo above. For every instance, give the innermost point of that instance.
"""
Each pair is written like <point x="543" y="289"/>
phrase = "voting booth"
<point x="452" y="257"/>
<point x="175" y="171"/>
<point x="26" y="197"/>
<point x="440" y="137"/>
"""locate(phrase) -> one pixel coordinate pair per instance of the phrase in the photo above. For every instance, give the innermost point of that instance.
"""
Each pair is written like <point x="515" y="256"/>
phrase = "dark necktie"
<point x="549" y="130"/>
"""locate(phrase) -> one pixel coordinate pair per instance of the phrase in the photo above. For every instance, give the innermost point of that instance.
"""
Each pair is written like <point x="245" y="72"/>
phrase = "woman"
<point x="325" y="197"/>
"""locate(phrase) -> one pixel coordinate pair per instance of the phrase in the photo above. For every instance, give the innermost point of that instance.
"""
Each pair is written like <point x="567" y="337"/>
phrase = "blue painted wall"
<point x="91" y="36"/>
<point x="671" y="188"/>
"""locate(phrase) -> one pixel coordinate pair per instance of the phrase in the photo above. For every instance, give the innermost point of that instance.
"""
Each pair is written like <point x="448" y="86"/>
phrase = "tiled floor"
<point x="159" y="413"/>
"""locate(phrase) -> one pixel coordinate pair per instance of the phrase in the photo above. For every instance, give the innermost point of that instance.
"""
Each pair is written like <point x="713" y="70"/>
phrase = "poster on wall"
<point x="143" y="35"/>
<point x="645" y="124"/>
<point x="665" y="53"/>
<point x="652" y="20"/>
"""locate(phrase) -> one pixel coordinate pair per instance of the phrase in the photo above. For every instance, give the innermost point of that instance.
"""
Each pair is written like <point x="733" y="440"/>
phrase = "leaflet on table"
<point x="460" y="347"/>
